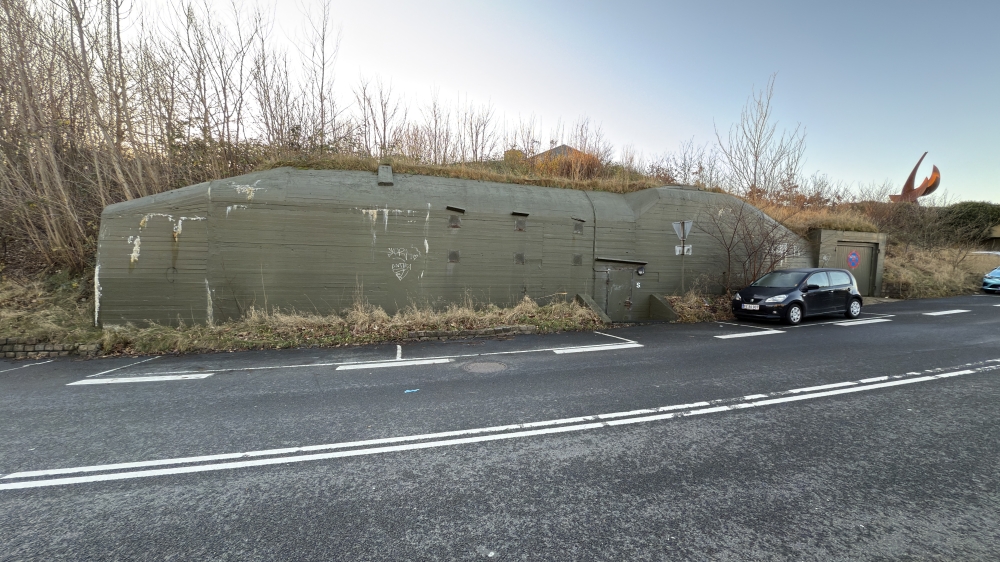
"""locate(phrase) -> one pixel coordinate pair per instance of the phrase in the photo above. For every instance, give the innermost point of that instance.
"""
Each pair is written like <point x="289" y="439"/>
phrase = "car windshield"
<point x="780" y="279"/>
<point x="995" y="272"/>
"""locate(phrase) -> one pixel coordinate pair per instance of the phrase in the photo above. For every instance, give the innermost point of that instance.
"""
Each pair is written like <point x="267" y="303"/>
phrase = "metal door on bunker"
<point x="859" y="259"/>
<point x="615" y="284"/>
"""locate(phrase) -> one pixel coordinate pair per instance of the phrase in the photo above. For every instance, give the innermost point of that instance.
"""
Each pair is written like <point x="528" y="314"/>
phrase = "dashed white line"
<point x="821" y="387"/>
<point x="117" y="380"/>
<point x="944" y="312"/>
<point x="750" y="334"/>
<point x="392" y="364"/>
<point x="628" y="340"/>
<point x="876" y="379"/>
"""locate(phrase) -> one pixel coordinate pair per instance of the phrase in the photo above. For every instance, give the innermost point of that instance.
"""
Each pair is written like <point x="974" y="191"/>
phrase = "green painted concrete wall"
<point x="313" y="241"/>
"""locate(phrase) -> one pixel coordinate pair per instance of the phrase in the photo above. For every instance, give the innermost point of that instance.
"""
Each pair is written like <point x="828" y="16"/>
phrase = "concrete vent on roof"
<point x="385" y="175"/>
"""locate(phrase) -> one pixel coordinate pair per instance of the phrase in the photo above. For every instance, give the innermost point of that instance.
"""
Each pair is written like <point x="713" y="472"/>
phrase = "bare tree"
<point x="760" y="163"/>
<point x="752" y="242"/>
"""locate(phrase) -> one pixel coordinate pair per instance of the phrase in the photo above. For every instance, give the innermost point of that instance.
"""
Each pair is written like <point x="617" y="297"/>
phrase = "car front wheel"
<point x="793" y="315"/>
<point x="854" y="309"/>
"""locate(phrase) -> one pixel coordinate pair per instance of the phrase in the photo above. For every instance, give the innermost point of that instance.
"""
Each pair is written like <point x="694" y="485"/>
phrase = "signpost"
<point x="683" y="229"/>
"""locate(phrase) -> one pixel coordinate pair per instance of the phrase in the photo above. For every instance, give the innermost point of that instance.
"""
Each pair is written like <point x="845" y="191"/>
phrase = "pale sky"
<point x="875" y="84"/>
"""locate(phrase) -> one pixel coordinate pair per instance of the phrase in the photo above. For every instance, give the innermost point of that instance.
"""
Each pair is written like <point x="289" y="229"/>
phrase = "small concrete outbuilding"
<point x="318" y="240"/>
<point x="861" y="253"/>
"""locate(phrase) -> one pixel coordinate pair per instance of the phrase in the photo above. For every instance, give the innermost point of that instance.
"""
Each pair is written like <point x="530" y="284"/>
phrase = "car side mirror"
<point x="812" y="287"/>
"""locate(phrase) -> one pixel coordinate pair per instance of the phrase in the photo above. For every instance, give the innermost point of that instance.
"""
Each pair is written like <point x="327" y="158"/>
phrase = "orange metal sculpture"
<point x="909" y="194"/>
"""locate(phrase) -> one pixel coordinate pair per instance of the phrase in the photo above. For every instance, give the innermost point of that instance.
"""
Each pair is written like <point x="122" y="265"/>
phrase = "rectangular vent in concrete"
<point x="520" y="224"/>
<point x="519" y="258"/>
<point x="577" y="259"/>
<point x="578" y="228"/>
<point x="454" y="256"/>
<point x="385" y="175"/>
<point x="455" y="221"/>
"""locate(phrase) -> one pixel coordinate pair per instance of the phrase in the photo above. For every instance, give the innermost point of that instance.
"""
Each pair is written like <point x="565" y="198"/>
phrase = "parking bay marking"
<point x="750" y="334"/>
<point x="626" y="344"/>
<point x="944" y="312"/>
<point x="117" y="380"/>
<point x="493" y="433"/>
<point x="859" y="322"/>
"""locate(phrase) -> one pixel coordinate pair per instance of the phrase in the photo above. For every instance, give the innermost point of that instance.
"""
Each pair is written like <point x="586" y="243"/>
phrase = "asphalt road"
<point x="833" y="440"/>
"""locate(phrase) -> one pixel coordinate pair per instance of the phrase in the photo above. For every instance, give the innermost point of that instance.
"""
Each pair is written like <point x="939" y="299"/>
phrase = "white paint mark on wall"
<point x="180" y="225"/>
<point x="428" y="217"/>
<point x="248" y="190"/>
<point x="230" y="208"/>
<point x="145" y="219"/>
<point x="134" y="257"/>
<point x="427" y="250"/>
<point x="209" y="313"/>
<point x="400" y="269"/>
<point x="97" y="293"/>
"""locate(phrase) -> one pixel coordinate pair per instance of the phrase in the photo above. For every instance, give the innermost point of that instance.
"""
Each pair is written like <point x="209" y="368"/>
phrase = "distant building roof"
<point x="561" y="150"/>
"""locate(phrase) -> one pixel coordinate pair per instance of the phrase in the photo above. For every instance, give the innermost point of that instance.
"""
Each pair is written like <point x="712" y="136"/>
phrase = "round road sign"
<point x="853" y="259"/>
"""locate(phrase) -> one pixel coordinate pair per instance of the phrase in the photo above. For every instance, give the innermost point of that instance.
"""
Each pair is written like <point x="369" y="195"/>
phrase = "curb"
<point x="30" y="348"/>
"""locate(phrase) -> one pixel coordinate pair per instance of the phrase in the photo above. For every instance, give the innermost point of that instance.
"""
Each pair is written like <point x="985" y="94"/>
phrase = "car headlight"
<point x="776" y="298"/>
<point x="737" y="297"/>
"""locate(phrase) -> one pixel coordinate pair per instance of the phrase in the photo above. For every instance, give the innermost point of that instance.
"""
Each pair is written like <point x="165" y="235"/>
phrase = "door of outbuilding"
<point x="859" y="259"/>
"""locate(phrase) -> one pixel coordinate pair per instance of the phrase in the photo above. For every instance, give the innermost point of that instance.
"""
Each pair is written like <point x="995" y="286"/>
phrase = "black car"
<point x="792" y="294"/>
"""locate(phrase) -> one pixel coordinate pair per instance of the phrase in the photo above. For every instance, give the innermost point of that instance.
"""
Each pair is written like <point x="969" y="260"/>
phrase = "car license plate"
<point x="751" y="306"/>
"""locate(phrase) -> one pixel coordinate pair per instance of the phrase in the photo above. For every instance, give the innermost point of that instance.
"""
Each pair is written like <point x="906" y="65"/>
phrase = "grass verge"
<point x="914" y="273"/>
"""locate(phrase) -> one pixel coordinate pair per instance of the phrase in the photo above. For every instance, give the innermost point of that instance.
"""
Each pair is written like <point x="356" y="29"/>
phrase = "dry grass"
<point x="914" y="273"/>
<point x="700" y="305"/>
<point x="57" y="309"/>
<point x="362" y="324"/>
<point x="493" y="171"/>
<point x="800" y="220"/>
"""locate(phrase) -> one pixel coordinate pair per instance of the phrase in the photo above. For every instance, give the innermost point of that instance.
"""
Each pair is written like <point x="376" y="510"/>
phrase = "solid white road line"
<point x="943" y="312"/>
<point x="392" y="364"/>
<point x="26" y="366"/>
<point x="586" y="348"/>
<point x="876" y="379"/>
<point x="859" y="322"/>
<point x="142" y="379"/>
<point x="123" y="367"/>
<point x="996" y="305"/>
<point x="750" y="334"/>
<point x="433" y="444"/>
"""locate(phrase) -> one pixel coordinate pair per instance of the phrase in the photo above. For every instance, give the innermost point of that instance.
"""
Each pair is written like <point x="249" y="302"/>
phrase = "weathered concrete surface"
<point x="318" y="241"/>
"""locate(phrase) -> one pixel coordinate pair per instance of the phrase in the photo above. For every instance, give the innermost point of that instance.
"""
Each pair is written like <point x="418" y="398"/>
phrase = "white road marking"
<point x="943" y="312"/>
<point x="392" y="364"/>
<point x="123" y="367"/>
<point x="117" y="380"/>
<point x="586" y="348"/>
<point x="859" y="322"/>
<point x="749" y="334"/>
<point x="628" y="340"/>
<point x="349" y="365"/>
<point x="996" y="305"/>
<point x="876" y="379"/>
<point x="821" y="387"/>
<point x="26" y="366"/>
<point x="399" y="352"/>
<point x="567" y="425"/>
<point x="754" y="396"/>
<point x="867" y="316"/>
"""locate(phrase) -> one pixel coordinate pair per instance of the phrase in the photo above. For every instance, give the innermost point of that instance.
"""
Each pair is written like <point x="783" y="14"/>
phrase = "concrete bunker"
<point x="316" y="240"/>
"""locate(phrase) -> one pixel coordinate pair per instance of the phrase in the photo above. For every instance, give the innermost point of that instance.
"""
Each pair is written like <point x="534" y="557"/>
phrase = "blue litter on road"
<point x="408" y="391"/>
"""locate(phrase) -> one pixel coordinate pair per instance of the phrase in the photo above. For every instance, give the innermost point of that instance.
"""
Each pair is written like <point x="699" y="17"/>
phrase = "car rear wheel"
<point x="793" y="315"/>
<point x="853" y="309"/>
